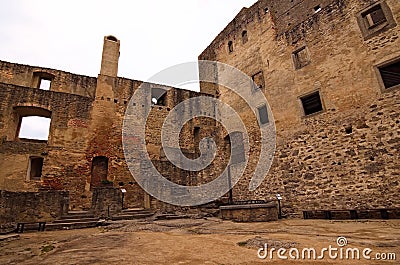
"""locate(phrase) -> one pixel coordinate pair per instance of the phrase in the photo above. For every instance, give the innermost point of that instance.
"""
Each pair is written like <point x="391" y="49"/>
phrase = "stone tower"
<point x="104" y="116"/>
<point x="109" y="68"/>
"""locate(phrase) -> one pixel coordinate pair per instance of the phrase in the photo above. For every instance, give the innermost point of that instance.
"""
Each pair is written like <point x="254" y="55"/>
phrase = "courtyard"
<point x="202" y="241"/>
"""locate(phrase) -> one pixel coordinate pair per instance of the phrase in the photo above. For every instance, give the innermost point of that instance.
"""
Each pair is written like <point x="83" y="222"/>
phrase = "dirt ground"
<point x="201" y="241"/>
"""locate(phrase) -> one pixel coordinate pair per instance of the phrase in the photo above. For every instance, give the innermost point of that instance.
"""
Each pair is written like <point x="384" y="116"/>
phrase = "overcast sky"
<point x="68" y="35"/>
<point x="154" y="34"/>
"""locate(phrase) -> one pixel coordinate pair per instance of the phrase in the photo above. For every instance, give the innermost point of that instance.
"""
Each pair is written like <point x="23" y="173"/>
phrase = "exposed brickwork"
<point x="86" y="122"/>
<point x="345" y="156"/>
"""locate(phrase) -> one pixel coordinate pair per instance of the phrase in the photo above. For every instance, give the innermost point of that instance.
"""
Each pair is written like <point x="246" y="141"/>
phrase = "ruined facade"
<point x="329" y="69"/>
<point x="84" y="148"/>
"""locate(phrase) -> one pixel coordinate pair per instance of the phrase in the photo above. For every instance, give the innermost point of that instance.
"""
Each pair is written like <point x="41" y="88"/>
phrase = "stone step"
<point x="67" y="220"/>
<point x="170" y="217"/>
<point x="73" y="225"/>
<point x="77" y="215"/>
<point x="124" y="216"/>
<point x="8" y="237"/>
<point x="135" y="211"/>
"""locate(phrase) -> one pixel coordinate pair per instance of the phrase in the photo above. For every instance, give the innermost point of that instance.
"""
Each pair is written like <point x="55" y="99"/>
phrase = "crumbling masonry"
<point x="330" y="70"/>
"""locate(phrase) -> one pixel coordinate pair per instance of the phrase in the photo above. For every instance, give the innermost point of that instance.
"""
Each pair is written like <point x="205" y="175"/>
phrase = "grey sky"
<point x="68" y="35"/>
<point x="154" y="34"/>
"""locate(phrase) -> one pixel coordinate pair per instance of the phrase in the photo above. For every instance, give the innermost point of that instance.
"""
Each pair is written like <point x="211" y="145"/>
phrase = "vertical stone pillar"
<point x="109" y="61"/>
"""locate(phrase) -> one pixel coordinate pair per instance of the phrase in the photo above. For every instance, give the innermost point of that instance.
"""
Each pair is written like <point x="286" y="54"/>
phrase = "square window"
<point x="34" y="128"/>
<point x="42" y="80"/>
<point x="390" y="74"/>
<point x="301" y="58"/>
<point x="375" y="19"/>
<point x="311" y="103"/>
<point x="374" y="16"/>
<point x="263" y="114"/>
<point x="45" y="84"/>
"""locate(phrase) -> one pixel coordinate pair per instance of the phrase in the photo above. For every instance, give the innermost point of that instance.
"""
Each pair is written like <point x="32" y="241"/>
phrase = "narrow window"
<point x="196" y="132"/>
<point x="263" y="114"/>
<point x="99" y="171"/>
<point x="258" y="80"/>
<point x="227" y="141"/>
<point x="196" y="138"/>
<point x="34" y="127"/>
<point x="230" y="46"/>
<point x="227" y="146"/>
<point x="237" y="147"/>
<point x="244" y="37"/>
<point x="266" y="10"/>
<point x="317" y="9"/>
<point x="311" y="103"/>
<point x="301" y="58"/>
<point x="35" y="168"/>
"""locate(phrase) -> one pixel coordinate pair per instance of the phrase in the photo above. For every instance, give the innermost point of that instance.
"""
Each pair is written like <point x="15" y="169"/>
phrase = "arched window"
<point x="244" y="37"/>
<point x="230" y="46"/>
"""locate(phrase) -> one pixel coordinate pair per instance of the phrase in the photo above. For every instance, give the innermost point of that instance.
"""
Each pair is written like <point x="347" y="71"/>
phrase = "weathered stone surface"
<point x="86" y="122"/>
<point x="250" y="212"/>
<point x="345" y="156"/>
<point x="42" y="206"/>
<point x="106" y="201"/>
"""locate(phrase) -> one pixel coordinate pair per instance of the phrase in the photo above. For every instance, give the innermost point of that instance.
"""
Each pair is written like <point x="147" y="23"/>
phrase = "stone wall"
<point x="344" y="156"/>
<point x="63" y="151"/>
<point x="26" y="76"/>
<point x="250" y="212"/>
<point x="42" y="206"/>
<point x="106" y="201"/>
<point x="347" y="155"/>
<point x="86" y="122"/>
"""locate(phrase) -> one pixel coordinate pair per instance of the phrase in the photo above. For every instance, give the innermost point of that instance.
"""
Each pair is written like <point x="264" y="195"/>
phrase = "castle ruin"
<point x="330" y="70"/>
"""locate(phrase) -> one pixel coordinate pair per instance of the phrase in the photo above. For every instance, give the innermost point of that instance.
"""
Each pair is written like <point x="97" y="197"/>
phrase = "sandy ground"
<point x="200" y="241"/>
